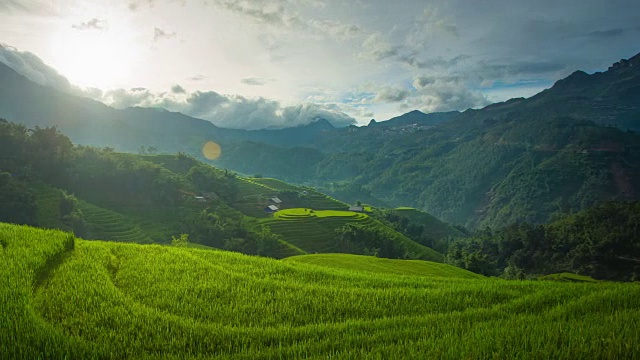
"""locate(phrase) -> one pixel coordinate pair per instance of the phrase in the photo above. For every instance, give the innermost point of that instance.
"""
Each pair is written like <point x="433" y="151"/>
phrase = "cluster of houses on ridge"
<point x="275" y="201"/>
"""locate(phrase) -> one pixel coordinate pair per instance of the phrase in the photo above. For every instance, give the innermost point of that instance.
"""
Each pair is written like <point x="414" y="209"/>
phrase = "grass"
<point x="276" y="184"/>
<point x="371" y="264"/>
<point x="254" y="195"/>
<point x="48" y="206"/>
<point x="102" y="223"/>
<point x="111" y="225"/>
<point x="568" y="277"/>
<point x="75" y="299"/>
<point x="314" y="231"/>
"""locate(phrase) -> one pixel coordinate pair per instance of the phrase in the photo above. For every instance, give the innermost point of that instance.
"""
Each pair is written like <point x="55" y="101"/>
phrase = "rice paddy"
<point x="314" y="231"/>
<point x="62" y="297"/>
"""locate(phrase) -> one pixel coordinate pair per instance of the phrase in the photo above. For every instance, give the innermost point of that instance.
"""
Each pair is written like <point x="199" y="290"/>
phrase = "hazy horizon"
<point x="279" y="63"/>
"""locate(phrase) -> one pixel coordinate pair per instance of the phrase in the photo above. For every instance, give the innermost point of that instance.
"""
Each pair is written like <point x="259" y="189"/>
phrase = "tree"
<point x="181" y="241"/>
<point x="267" y="242"/>
<point x="17" y="204"/>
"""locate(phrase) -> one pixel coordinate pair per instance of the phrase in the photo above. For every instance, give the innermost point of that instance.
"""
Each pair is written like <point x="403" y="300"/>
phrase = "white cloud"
<point x="254" y="81"/>
<point x="93" y="24"/>
<point x="34" y="69"/>
<point x="228" y="111"/>
<point x="159" y="34"/>
<point x="376" y="47"/>
<point x="444" y="93"/>
<point x="391" y="94"/>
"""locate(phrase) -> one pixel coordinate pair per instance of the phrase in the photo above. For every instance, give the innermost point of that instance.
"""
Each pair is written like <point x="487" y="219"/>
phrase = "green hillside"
<point x="359" y="263"/>
<point x="108" y="224"/>
<point x="436" y="228"/>
<point x="62" y="297"/>
<point x="314" y="231"/>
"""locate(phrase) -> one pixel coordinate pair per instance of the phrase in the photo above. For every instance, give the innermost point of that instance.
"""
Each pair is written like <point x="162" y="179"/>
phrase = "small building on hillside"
<point x="210" y="195"/>
<point x="356" y="208"/>
<point x="200" y="199"/>
<point x="271" y="209"/>
<point x="275" y="200"/>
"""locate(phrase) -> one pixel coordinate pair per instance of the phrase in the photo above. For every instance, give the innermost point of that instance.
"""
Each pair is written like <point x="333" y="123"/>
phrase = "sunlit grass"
<point x="66" y="298"/>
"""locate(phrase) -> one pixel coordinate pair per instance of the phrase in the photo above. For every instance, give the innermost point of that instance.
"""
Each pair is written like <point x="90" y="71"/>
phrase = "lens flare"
<point x="211" y="150"/>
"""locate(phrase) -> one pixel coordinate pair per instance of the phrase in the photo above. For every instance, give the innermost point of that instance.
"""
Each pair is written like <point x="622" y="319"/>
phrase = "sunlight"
<point x="99" y="58"/>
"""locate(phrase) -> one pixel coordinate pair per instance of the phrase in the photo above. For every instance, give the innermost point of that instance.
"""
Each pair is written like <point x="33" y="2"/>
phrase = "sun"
<point x="101" y="58"/>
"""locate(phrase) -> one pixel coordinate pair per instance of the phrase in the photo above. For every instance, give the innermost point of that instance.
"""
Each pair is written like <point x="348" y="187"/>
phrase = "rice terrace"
<point x="72" y="298"/>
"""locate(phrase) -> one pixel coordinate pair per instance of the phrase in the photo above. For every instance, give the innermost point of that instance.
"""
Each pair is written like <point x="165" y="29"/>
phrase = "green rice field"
<point x="314" y="231"/>
<point x="66" y="298"/>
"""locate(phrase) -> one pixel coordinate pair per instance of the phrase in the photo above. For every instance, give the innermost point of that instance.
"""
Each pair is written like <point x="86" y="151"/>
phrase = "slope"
<point x="358" y="263"/>
<point x="76" y="299"/>
<point x="315" y="231"/>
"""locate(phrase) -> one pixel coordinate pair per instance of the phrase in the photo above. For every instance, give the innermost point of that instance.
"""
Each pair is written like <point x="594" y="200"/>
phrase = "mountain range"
<point x="559" y="151"/>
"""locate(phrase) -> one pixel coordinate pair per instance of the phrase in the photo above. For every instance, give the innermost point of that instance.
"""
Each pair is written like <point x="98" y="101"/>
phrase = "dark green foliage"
<point x="17" y="203"/>
<point x="207" y="179"/>
<point x="602" y="242"/>
<point x="420" y="227"/>
<point x="368" y="240"/>
<point x="71" y="215"/>
<point x="267" y="160"/>
<point x="267" y="243"/>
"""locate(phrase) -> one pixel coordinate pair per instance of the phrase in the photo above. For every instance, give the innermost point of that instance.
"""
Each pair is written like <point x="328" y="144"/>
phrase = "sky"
<point x="275" y="63"/>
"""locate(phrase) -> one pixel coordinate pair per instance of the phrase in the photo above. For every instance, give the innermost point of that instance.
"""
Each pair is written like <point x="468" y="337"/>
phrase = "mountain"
<point x="520" y="160"/>
<point x="90" y="122"/>
<point x="416" y="118"/>
<point x="562" y="150"/>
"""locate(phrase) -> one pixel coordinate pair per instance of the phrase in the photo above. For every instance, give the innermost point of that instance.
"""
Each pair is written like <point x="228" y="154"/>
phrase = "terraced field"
<point x="360" y="263"/>
<point x="107" y="224"/>
<point x="314" y="231"/>
<point x="253" y="197"/>
<point x="48" y="201"/>
<point x="276" y="184"/>
<point x="319" y="201"/>
<point x="64" y="298"/>
<point x="256" y="192"/>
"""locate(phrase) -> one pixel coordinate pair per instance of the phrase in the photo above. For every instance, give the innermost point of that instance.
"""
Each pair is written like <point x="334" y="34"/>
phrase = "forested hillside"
<point x="101" y="194"/>
<point x="562" y="150"/>
<point x="602" y="242"/>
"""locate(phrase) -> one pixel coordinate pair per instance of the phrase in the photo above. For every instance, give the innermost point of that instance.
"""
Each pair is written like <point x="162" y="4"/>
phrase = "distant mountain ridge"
<point x="90" y="122"/>
<point x="416" y="118"/>
<point x="562" y="150"/>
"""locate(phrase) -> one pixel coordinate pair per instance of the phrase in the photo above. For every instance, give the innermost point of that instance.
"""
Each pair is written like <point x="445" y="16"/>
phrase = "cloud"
<point x="34" y="69"/>
<point x="135" y="5"/>
<point x="159" y="34"/>
<point x="435" y="62"/>
<point x="337" y="29"/>
<point x="391" y="94"/>
<point x="30" y="6"/>
<point x="93" y="24"/>
<point x="611" y="33"/>
<point x="177" y="89"/>
<point x="267" y="12"/>
<point x="254" y="81"/>
<point x="432" y="21"/>
<point x="444" y="93"/>
<point x="376" y="47"/>
<point x="229" y="111"/>
<point x="515" y="69"/>
<point x="198" y="77"/>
